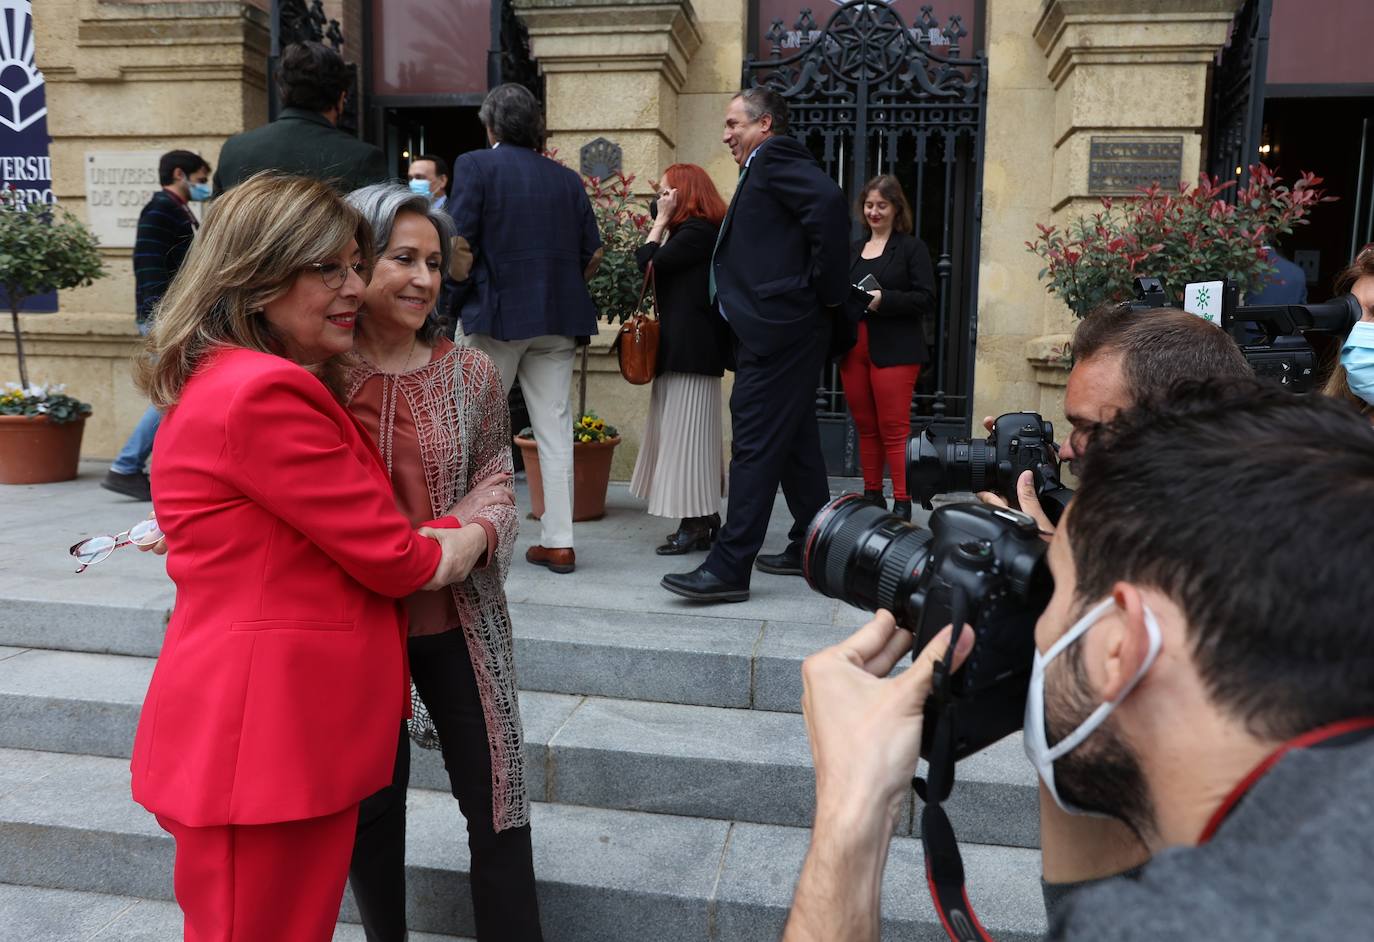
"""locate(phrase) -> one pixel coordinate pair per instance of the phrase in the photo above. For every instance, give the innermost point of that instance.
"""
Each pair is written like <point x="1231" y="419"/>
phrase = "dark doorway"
<point x="443" y="131"/>
<point x="1334" y="138"/>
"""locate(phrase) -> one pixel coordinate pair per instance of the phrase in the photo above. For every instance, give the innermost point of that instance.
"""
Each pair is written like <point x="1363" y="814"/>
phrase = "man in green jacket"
<point x="304" y="139"/>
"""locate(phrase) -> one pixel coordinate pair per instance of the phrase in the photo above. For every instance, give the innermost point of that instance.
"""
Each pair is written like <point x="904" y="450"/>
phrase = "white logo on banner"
<point x="16" y="52"/>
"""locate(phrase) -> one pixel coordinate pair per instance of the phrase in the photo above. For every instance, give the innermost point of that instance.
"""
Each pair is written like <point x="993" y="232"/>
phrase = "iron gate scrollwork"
<point x="869" y="95"/>
<point x="1237" y="105"/>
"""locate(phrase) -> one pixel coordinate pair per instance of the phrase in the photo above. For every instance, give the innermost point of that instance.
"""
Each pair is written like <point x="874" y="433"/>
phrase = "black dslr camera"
<point x="976" y="565"/>
<point x="1020" y="441"/>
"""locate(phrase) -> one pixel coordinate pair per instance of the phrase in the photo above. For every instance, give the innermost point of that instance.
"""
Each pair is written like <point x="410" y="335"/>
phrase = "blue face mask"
<point x="1357" y="356"/>
<point x="200" y="191"/>
<point x="419" y="185"/>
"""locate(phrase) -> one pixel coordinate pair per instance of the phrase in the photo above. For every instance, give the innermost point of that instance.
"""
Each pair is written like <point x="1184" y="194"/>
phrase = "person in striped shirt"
<point x="166" y="227"/>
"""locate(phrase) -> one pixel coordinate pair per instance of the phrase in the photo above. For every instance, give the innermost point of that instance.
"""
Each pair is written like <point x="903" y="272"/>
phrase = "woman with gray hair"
<point x="438" y="415"/>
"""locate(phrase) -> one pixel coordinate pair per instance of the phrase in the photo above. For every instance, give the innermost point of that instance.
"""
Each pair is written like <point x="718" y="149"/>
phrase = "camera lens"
<point x="936" y="464"/>
<point x="864" y="555"/>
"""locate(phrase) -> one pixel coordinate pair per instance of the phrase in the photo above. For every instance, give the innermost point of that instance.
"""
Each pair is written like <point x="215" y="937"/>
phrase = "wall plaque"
<point x="1124" y="164"/>
<point x="118" y="186"/>
<point x="600" y="158"/>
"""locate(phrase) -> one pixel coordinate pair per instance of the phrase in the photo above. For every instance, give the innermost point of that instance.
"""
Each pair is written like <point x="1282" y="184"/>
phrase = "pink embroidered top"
<point x="441" y="428"/>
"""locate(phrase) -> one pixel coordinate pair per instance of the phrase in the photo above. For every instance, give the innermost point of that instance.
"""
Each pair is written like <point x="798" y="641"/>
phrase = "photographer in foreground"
<point x="1212" y="662"/>
<point x="1124" y="357"/>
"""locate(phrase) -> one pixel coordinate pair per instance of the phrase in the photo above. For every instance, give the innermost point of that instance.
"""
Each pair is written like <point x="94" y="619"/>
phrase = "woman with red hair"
<point x="681" y="466"/>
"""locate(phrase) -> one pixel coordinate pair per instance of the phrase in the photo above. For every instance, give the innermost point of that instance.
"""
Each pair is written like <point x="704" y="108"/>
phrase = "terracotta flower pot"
<point x="591" y="476"/>
<point x="34" y="450"/>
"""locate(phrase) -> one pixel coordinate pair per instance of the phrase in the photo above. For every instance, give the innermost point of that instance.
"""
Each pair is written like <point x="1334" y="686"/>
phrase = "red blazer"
<point x="282" y="678"/>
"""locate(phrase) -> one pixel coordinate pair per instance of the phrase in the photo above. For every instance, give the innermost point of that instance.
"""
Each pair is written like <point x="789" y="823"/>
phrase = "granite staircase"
<point x="665" y="753"/>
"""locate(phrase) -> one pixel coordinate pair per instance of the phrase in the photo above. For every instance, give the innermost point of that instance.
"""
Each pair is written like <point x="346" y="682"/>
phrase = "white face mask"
<point x="1038" y="750"/>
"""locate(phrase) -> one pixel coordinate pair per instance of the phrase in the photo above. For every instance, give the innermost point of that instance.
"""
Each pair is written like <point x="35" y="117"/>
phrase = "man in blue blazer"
<point x="534" y="242"/>
<point x="780" y="276"/>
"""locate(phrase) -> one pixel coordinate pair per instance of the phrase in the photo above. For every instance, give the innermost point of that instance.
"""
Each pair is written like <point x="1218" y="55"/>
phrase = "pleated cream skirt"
<point x="681" y="464"/>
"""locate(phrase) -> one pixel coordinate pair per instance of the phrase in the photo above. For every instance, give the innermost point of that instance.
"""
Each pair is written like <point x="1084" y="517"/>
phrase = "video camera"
<point x="1272" y="336"/>
<point x="1020" y="441"/>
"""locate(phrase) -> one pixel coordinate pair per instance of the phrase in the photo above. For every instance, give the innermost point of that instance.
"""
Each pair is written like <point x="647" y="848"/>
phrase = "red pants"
<point x="263" y="882"/>
<point x="879" y="398"/>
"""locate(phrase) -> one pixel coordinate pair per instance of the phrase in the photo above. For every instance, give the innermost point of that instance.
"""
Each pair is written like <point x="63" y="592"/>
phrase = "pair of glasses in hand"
<point x="96" y="549"/>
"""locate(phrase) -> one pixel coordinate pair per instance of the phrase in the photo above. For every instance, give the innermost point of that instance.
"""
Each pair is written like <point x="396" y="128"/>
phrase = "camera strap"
<point x="944" y="865"/>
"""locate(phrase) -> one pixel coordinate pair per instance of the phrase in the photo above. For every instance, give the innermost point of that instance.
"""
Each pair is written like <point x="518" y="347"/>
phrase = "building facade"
<point x="995" y="114"/>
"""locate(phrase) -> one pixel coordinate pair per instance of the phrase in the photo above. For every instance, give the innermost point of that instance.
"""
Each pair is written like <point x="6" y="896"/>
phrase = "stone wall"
<point x="1061" y="74"/>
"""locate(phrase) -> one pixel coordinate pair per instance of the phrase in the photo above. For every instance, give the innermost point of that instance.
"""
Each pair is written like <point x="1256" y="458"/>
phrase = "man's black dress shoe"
<point x="702" y="585"/>
<point x="786" y="563"/>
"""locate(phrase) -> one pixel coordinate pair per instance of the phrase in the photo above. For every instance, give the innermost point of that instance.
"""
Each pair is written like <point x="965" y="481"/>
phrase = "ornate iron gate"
<point x="1237" y="101"/>
<point x="868" y="95"/>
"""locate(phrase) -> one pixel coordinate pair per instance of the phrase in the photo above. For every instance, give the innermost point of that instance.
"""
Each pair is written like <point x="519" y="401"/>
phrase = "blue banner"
<point x="25" y="166"/>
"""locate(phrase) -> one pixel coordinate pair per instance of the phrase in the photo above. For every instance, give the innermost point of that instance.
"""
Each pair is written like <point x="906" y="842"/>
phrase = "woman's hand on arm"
<point x="492" y="491"/>
<point x="461" y="548"/>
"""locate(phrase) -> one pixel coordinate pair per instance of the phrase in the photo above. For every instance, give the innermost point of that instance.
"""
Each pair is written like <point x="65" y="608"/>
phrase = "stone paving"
<point x="664" y="748"/>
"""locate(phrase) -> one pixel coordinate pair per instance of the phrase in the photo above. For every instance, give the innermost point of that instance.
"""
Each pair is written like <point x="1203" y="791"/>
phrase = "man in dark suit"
<point x="304" y="139"/>
<point x="779" y="276"/>
<point x="533" y="243"/>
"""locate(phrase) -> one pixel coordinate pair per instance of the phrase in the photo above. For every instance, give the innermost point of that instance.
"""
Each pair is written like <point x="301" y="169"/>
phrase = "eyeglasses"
<point x="96" y="549"/>
<point x="334" y="275"/>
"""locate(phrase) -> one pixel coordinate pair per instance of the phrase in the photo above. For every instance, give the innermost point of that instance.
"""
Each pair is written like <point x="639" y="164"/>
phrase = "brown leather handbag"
<point x="637" y="343"/>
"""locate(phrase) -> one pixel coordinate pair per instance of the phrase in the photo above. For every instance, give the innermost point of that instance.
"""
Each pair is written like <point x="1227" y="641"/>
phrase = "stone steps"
<point x="709" y="762"/>
<point x="67" y="823"/>
<point x="42" y="915"/>
<point x="702" y="660"/>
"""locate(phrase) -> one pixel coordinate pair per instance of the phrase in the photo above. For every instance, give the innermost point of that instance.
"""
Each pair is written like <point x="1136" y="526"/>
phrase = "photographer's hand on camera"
<point x="1028" y="502"/>
<point x="865" y="733"/>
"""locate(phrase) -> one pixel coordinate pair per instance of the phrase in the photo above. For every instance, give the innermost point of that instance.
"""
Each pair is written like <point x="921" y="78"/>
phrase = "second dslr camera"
<point x="1020" y="441"/>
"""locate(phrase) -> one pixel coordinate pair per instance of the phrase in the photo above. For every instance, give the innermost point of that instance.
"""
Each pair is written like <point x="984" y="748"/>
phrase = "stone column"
<point x="613" y="69"/>
<point x="1077" y="70"/>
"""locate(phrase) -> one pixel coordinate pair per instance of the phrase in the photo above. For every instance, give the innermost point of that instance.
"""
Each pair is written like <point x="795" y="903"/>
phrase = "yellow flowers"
<point x="590" y="428"/>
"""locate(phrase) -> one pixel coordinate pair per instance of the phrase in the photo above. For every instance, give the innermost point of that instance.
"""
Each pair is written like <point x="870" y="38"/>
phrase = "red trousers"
<point x="263" y="882"/>
<point x="879" y="398"/>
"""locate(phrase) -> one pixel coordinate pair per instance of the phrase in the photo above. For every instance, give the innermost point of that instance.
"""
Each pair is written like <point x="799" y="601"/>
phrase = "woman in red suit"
<point x="282" y="679"/>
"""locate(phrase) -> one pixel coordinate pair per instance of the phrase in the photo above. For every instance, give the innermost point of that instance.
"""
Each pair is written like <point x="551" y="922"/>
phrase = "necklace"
<point x="405" y="364"/>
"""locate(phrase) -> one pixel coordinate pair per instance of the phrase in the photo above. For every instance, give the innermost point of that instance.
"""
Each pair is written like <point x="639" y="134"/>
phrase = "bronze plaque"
<point x="1124" y="164"/>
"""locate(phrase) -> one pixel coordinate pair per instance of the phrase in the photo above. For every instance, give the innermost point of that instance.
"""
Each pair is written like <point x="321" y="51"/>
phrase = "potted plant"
<point x="42" y="248"/>
<point x="593" y="448"/>
<point x="1180" y="236"/>
<point x="615" y="292"/>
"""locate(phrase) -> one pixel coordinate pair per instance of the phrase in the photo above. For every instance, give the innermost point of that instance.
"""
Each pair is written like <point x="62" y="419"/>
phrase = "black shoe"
<point x="876" y="498"/>
<point x="786" y="563"/>
<point x="712" y="522"/>
<point x="702" y="585"/>
<point x="902" y="508"/>
<point x="693" y="534"/>
<point x="134" y="485"/>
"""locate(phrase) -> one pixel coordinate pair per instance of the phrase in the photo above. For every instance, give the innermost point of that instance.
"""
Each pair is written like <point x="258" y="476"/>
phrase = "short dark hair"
<point x="183" y="160"/>
<point x="312" y="77"/>
<point x="514" y="116"/>
<point x="440" y="164"/>
<point x="760" y="101"/>
<point x="1159" y="348"/>
<point x="1249" y="507"/>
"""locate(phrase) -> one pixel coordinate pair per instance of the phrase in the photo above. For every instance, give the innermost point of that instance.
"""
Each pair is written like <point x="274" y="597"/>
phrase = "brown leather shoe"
<point x="557" y="560"/>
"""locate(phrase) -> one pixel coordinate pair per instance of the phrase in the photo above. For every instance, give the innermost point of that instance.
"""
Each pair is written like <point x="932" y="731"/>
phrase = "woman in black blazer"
<point x="681" y="464"/>
<point x="879" y="373"/>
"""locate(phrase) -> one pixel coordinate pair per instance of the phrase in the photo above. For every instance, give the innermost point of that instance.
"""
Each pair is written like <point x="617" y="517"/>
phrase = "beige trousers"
<point x="544" y="366"/>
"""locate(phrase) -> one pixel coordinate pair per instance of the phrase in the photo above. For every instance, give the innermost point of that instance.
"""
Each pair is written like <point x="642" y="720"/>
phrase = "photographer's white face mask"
<point x="1038" y="750"/>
